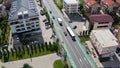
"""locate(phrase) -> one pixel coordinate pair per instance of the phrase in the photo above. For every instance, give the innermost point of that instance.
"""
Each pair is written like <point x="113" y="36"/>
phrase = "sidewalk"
<point x="38" y="62"/>
<point x="94" y="55"/>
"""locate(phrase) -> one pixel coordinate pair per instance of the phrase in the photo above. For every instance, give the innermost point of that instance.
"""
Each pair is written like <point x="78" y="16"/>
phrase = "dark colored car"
<point x="53" y="17"/>
<point x="44" y="20"/>
<point x="41" y="12"/>
<point x="50" y="11"/>
<point x="65" y="33"/>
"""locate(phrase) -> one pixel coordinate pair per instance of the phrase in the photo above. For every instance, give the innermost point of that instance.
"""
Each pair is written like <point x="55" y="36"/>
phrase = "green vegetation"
<point x="28" y="51"/>
<point x="84" y="38"/>
<point x="58" y="64"/>
<point x="104" y="59"/>
<point x="27" y="66"/>
<point x="4" y="31"/>
<point x="59" y="3"/>
<point x="3" y="67"/>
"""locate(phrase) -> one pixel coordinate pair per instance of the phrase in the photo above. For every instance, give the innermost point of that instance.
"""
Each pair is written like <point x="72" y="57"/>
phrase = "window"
<point x="28" y="27"/>
<point x="103" y="22"/>
<point x="17" y="26"/>
<point x="26" y="16"/>
<point x="20" y="16"/>
<point x="28" y="24"/>
<point x="102" y="26"/>
<point x="33" y="26"/>
<point x="37" y="22"/>
<point x="37" y="25"/>
<point x="18" y="30"/>
<point x="22" y="25"/>
<point x="23" y="28"/>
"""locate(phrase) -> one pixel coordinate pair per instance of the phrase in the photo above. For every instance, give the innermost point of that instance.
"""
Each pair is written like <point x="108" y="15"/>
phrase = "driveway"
<point x="38" y="62"/>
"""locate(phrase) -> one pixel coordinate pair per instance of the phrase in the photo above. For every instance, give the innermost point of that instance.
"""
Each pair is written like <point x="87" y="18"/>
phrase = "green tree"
<point x="0" y="54"/>
<point x="27" y="66"/>
<point x="12" y="51"/>
<point x="31" y="48"/>
<point x="35" y="48"/>
<point x="42" y="45"/>
<point x="39" y="47"/>
<point x="46" y="45"/>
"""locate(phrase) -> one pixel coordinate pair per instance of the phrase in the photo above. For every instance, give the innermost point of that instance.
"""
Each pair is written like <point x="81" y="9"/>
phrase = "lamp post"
<point x="30" y="53"/>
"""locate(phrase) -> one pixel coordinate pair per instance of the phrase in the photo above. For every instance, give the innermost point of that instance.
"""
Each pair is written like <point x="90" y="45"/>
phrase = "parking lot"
<point x="78" y="22"/>
<point x="45" y="26"/>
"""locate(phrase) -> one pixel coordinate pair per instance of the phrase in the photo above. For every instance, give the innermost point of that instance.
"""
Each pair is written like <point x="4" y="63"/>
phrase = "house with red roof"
<point x="99" y="21"/>
<point x="91" y="6"/>
<point x="108" y="5"/>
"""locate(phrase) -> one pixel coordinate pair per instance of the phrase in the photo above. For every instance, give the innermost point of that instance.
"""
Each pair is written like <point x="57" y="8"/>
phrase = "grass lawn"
<point x="58" y="64"/>
<point x="26" y="55"/>
<point x="84" y="38"/>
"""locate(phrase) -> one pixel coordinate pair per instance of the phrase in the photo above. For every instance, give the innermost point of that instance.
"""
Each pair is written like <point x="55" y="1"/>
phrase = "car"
<point x="47" y="27"/>
<point x="74" y="27"/>
<point x="65" y="33"/>
<point x="50" y="11"/>
<point x="47" y="23"/>
<point x="44" y="20"/>
<point x="41" y="12"/>
<point x="53" y="17"/>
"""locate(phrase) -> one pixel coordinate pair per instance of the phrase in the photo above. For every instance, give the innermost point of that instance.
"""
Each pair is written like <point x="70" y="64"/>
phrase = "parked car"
<point x="53" y="17"/>
<point x="44" y="20"/>
<point x="50" y="11"/>
<point x="41" y="12"/>
<point x="65" y="33"/>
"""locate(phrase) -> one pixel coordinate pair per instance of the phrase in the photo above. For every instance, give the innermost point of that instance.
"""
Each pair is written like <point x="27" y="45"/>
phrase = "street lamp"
<point x="30" y="53"/>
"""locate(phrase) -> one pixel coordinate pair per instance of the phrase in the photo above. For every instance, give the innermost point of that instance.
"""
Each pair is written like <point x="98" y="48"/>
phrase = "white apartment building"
<point x="71" y="6"/>
<point x="23" y="17"/>
<point x="2" y="11"/>
<point x="104" y="42"/>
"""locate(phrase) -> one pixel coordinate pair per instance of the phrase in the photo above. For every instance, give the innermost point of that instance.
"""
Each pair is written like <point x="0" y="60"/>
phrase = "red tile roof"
<point x="108" y="2"/>
<point x="100" y="18"/>
<point x="90" y="2"/>
<point x="118" y="1"/>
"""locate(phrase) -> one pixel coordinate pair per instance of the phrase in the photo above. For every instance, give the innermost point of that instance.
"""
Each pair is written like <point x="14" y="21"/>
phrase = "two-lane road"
<point x="73" y="48"/>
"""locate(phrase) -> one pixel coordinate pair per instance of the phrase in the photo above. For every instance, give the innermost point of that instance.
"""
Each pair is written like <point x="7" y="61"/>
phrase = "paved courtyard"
<point x="38" y="62"/>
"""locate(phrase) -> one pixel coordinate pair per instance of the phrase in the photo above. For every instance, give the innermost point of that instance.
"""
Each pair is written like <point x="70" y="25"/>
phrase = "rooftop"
<point x="71" y="1"/>
<point x="22" y="6"/>
<point x="90" y="2"/>
<point x="108" y="2"/>
<point x="105" y="37"/>
<point x="100" y="18"/>
<point x="118" y="1"/>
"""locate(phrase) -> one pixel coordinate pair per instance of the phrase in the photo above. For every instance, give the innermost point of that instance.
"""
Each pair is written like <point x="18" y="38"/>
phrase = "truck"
<point x="60" y="21"/>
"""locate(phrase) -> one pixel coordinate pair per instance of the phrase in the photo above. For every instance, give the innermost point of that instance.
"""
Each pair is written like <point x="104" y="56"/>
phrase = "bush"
<point x="27" y="66"/>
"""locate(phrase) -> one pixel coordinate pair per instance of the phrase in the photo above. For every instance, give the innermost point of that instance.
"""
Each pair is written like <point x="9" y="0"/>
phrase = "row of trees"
<point x="4" y="30"/>
<point x="30" y="50"/>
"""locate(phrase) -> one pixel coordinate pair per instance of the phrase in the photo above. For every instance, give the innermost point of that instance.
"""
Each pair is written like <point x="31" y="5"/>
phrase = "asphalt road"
<point x="73" y="48"/>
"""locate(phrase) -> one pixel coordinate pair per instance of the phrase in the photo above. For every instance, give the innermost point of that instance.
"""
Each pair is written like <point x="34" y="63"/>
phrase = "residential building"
<point x="71" y="6"/>
<point x="104" y="42"/>
<point x="99" y="21"/>
<point x="7" y="3"/>
<point x="23" y="17"/>
<point x="2" y="11"/>
<point x="91" y="6"/>
<point x="108" y="5"/>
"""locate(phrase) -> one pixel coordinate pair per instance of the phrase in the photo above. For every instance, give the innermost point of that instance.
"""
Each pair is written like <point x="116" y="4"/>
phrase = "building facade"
<point x="91" y="6"/>
<point x="100" y="21"/>
<point x="104" y="42"/>
<point x="108" y="5"/>
<point x="71" y="6"/>
<point x="23" y="17"/>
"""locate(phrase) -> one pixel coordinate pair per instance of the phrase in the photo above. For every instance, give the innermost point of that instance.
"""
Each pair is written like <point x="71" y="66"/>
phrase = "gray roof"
<point x="21" y="6"/>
